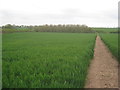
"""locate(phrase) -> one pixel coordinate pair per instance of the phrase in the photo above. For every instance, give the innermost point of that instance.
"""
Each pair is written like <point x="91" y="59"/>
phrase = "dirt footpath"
<point x="103" y="71"/>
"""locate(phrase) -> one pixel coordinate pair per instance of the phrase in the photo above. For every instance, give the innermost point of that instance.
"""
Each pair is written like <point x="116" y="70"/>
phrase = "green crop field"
<point x="46" y="60"/>
<point x="105" y="30"/>
<point x="111" y="40"/>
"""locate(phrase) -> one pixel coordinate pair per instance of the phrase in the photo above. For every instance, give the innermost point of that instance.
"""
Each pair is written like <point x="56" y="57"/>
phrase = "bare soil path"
<point x="103" y="71"/>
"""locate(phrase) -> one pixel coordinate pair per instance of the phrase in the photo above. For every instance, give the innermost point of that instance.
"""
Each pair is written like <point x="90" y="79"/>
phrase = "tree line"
<point x="48" y="28"/>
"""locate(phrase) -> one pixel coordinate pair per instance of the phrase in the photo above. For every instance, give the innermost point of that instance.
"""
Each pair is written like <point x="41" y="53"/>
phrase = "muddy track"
<point x="103" y="71"/>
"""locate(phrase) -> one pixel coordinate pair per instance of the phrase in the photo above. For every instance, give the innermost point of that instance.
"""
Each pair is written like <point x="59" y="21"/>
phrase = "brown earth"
<point x="103" y="71"/>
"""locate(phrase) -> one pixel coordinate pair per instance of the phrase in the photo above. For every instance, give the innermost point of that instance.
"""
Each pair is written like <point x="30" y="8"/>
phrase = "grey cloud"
<point x="70" y="15"/>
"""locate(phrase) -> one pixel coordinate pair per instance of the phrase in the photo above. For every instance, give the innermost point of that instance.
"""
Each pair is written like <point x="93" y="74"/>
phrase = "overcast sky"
<point x="94" y="13"/>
